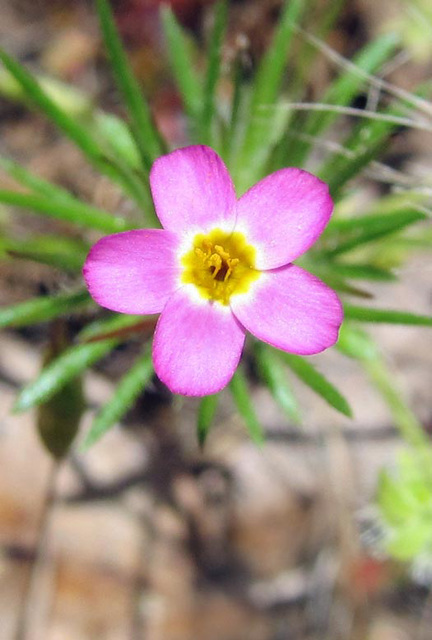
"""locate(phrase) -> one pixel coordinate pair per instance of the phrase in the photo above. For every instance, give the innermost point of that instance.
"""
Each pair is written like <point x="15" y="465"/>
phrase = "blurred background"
<point x="147" y="536"/>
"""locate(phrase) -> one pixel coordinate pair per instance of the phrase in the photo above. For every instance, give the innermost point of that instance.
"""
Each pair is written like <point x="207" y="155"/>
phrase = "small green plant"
<point x="266" y="125"/>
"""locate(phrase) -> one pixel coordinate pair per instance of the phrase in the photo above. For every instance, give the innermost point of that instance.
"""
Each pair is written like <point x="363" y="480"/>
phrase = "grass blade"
<point x="42" y="309"/>
<point x="341" y="92"/>
<point x="61" y="371"/>
<point x="206" y="413"/>
<point x="37" y="95"/>
<point x="57" y="251"/>
<point x="242" y="398"/>
<point x="73" y="211"/>
<point x="131" y="385"/>
<point x="145" y="133"/>
<point x="31" y="181"/>
<point x="274" y="375"/>
<point x="363" y="314"/>
<point x="213" y="70"/>
<point x="183" y="68"/>
<point x="317" y="382"/>
<point x="264" y="93"/>
<point x="364" y="229"/>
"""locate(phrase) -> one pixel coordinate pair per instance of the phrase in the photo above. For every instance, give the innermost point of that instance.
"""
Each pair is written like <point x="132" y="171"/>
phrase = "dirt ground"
<point x="147" y="537"/>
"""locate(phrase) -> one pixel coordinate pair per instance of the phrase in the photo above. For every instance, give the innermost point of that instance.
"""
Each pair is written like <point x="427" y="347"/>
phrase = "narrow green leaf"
<point x="242" y="398"/>
<point x="41" y="309"/>
<point x="73" y="211"/>
<point x="213" y="70"/>
<point x="32" y="181"/>
<point x="130" y="386"/>
<point x="363" y="314"/>
<point x="103" y="159"/>
<point x="206" y="412"/>
<point x="316" y="381"/>
<point x="357" y="344"/>
<point x="144" y="130"/>
<point x="61" y="371"/>
<point x="39" y="97"/>
<point x="183" y="67"/>
<point x="341" y="92"/>
<point x="362" y="272"/>
<point x="274" y="375"/>
<point x="264" y="92"/>
<point x="102" y="327"/>
<point x="57" y="251"/>
<point x="349" y="234"/>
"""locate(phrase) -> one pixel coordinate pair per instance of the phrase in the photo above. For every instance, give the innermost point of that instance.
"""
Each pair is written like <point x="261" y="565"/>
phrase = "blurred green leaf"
<point x="341" y="92"/>
<point x="58" y="418"/>
<point x="274" y="375"/>
<point x="33" y="182"/>
<point x="58" y="251"/>
<point x="213" y="71"/>
<point x="363" y="314"/>
<point x="144" y="130"/>
<point x="71" y="210"/>
<point x="359" y="345"/>
<point x="61" y="371"/>
<point x="265" y="89"/>
<point x="316" y="381"/>
<point x="179" y="51"/>
<point x="242" y="398"/>
<point x="206" y="413"/>
<point x="40" y="98"/>
<point x="118" y="323"/>
<point x="42" y="309"/>
<point x="362" y="272"/>
<point x="130" y="386"/>
<point x="346" y="235"/>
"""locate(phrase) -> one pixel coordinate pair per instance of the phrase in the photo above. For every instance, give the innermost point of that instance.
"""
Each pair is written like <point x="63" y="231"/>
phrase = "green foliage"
<point x="130" y="386"/>
<point x="242" y="399"/>
<point x="145" y="133"/>
<point x="405" y="503"/>
<point x="206" y="413"/>
<point x="264" y="124"/>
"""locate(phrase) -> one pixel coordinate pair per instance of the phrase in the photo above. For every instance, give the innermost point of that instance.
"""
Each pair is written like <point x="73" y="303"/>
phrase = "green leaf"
<point x="363" y="314"/>
<point x="61" y="371"/>
<point x="213" y="70"/>
<point x="40" y="98"/>
<point x="264" y="93"/>
<point x="274" y="375"/>
<point x="57" y="251"/>
<point x="73" y="211"/>
<point x="58" y="418"/>
<point x="118" y="137"/>
<point x="206" y="412"/>
<point x="130" y="386"/>
<point x="340" y="93"/>
<point x="69" y="124"/>
<point x="317" y="382"/>
<point x="242" y="398"/>
<point x="348" y="234"/>
<point x="183" y="67"/>
<point x="362" y="272"/>
<point x="359" y="345"/>
<point x="33" y="182"/>
<point x="144" y="130"/>
<point x="42" y="309"/>
<point x="115" y="323"/>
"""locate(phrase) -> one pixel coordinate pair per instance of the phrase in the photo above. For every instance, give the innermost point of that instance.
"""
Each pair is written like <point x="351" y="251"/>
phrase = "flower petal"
<point x="197" y="344"/>
<point x="283" y="215"/>
<point x="290" y="309"/>
<point x="133" y="271"/>
<point x="192" y="190"/>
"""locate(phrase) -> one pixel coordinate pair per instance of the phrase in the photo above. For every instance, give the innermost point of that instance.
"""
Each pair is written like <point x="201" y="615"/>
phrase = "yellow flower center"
<point x="220" y="264"/>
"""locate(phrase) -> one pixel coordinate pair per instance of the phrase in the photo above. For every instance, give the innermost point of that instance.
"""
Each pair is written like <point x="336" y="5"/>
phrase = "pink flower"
<point x="220" y="267"/>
